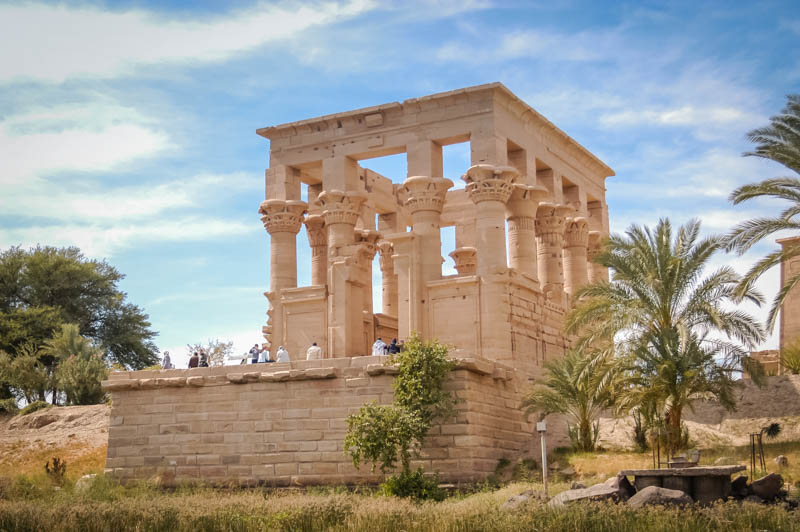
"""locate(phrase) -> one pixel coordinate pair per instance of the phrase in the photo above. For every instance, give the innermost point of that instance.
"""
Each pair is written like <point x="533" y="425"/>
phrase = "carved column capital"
<point x="282" y="216"/>
<point x="317" y="231"/>
<point x="550" y="220"/>
<point x="524" y="200"/>
<point x="466" y="260"/>
<point x="422" y="193"/>
<point x="386" y="249"/>
<point x="369" y="242"/>
<point x="341" y="207"/>
<point x="487" y="182"/>
<point x="576" y="232"/>
<point x="593" y="245"/>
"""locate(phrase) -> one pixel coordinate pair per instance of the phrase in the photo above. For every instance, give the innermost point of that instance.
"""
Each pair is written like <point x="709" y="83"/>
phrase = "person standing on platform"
<point x="254" y="352"/>
<point x="314" y="352"/>
<point x="378" y="348"/>
<point x="283" y="355"/>
<point x="194" y="360"/>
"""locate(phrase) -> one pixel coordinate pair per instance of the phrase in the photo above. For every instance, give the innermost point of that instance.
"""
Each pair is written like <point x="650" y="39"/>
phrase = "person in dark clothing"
<point x="203" y="359"/>
<point x="393" y="347"/>
<point x="194" y="360"/>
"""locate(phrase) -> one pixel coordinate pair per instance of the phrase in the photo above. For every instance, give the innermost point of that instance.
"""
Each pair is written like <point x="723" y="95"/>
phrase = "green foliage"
<point x="780" y="142"/>
<point x="414" y="484"/>
<point x="81" y="366"/>
<point x="790" y="357"/>
<point x="45" y="287"/>
<point x="9" y="406"/>
<point x="27" y="375"/>
<point x="579" y="386"/>
<point x="678" y="336"/>
<point x="386" y="434"/>
<point x="34" y="407"/>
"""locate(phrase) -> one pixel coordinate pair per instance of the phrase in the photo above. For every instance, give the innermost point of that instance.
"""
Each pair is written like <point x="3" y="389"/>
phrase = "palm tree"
<point x="676" y="336"/>
<point x="779" y="142"/>
<point x="577" y="386"/>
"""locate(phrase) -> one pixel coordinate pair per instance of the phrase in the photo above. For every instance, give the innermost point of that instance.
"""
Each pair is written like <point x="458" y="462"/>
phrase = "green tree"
<point x="580" y="387"/>
<point x="660" y="309"/>
<point x="81" y="366"/>
<point x="780" y="142"/>
<point x="26" y="375"/>
<point x="387" y="434"/>
<point x="45" y="287"/>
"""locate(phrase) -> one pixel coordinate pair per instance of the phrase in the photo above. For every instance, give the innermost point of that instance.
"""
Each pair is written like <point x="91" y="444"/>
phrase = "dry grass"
<point x="21" y="458"/>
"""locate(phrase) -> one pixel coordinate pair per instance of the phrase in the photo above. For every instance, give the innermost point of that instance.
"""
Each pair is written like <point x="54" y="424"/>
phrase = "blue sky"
<point x="128" y="128"/>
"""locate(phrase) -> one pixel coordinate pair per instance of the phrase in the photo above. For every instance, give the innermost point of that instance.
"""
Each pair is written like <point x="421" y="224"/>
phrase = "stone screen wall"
<point x="284" y="424"/>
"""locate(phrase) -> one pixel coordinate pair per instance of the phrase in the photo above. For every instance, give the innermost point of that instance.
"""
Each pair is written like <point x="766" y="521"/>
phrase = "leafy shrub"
<point x="415" y="485"/>
<point x="56" y="471"/>
<point x="9" y="406"/>
<point x="80" y="378"/>
<point x="33" y="407"/>
<point x="526" y="470"/>
<point x="790" y="358"/>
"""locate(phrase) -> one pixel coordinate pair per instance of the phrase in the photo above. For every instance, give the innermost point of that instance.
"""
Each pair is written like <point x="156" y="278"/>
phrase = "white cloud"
<point x="55" y="43"/>
<point x="103" y="241"/>
<point x="686" y="115"/>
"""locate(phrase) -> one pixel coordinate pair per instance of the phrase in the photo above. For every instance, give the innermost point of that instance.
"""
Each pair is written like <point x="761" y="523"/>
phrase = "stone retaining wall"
<point x="284" y="424"/>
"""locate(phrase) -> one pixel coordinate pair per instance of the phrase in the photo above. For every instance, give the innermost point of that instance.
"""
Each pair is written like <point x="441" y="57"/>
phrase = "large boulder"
<point x="524" y="497"/>
<point x="739" y="487"/>
<point x="767" y="487"/>
<point x="83" y="483"/>
<point x="598" y="492"/>
<point x="625" y="489"/>
<point x="652" y="495"/>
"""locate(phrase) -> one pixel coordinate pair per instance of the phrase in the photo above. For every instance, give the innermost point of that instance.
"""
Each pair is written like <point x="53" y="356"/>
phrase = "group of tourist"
<point x="380" y="347"/>
<point x="261" y="355"/>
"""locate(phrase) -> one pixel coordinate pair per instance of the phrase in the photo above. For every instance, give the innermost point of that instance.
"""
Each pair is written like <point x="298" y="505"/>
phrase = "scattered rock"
<point x="724" y="460"/>
<point x="553" y="466"/>
<point x="83" y="483"/>
<point x="566" y="472"/>
<point x="754" y="498"/>
<point x="625" y="489"/>
<point x="767" y="487"/>
<point x="522" y="498"/>
<point x="739" y="487"/>
<point x="652" y="495"/>
<point x="598" y="492"/>
<point x="781" y="461"/>
<point x="577" y="486"/>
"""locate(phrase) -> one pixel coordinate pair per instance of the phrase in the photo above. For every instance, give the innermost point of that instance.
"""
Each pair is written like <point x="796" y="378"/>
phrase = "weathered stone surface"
<point x="625" y="489"/>
<point x="526" y="496"/>
<point x="83" y="483"/>
<point x="767" y="487"/>
<point x="739" y="487"/>
<point x="653" y="495"/>
<point x="567" y="472"/>
<point x="598" y="492"/>
<point x="577" y="486"/>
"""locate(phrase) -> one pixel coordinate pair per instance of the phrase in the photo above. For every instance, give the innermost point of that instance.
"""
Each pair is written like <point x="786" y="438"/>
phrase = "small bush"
<point x="414" y="485"/>
<point x="790" y="357"/>
<point x="526" y="470"/>
<point x="33" y="407"/>
<point x="9" y="406"/>
<point x="56" y="471"/>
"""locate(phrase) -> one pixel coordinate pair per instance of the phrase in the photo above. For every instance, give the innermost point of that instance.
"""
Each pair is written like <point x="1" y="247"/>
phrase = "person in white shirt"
<point x="314" y="352"/>
<point x="264" y="357"/>
<point x="378" y="348"/>
<point x="167" y="364"/>
<point x="283" y="355"/>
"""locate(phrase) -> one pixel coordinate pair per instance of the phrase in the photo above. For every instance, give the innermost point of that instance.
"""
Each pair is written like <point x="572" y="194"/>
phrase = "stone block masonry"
<point x="284" y="424"/>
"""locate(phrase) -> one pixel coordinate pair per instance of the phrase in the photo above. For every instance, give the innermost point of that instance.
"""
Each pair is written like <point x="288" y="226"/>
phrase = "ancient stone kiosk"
<point x="528" y="217"/>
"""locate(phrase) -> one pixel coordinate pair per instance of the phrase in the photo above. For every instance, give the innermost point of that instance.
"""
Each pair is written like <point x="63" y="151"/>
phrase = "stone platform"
<point x="704" y="484"/>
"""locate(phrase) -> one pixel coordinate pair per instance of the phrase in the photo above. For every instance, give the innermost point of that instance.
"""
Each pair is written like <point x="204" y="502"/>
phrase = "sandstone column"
<point x="489" y="187"/>
<point x="549" y="240"/>
<point x="521" y="216"/>
<point x="369" y="247"/>
<point x="576" y="239"/>
<point x="340" y="211"/>
<point x="466" y="260"/>
<point x="388" y="279"/>
<point x="424" y="198"/>
<point x="282" y="219"/>
<point x="318" y="240"/>
<point x="596" y="271"/>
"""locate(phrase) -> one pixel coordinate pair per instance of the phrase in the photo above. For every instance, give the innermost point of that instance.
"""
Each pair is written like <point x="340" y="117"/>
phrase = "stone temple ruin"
<point x="527" y="223"/>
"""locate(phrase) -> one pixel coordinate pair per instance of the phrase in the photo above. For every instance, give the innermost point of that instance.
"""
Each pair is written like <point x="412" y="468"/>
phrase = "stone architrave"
<point x="423" y="197"/>
<point x="596" y="271"/>
<point x="388" y="279"/>
<point x="318" y="240"/>
<point x="489" y="188"/>
<point x="576" y="240"/>
<point x="550" y="224"/>
<point x="282" y="219"/>
<point x="466" y="260"/>
<point x="521" y="216"/>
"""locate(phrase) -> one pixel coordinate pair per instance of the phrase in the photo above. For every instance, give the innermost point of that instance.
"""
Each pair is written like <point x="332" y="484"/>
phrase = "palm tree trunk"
<point x="586" y="435"/>
<point x="674" y="437"/>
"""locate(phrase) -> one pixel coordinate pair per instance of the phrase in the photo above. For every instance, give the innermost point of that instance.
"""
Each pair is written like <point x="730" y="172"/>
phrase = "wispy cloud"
<point x="55" y="43"/>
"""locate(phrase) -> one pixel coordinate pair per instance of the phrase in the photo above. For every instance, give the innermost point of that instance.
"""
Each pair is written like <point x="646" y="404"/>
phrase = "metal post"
<point x="541" y="427"/>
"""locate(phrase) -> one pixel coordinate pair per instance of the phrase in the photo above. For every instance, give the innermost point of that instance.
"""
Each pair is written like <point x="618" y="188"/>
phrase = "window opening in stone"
<point x="448" y="245"/>
<point x="455" y="162"/>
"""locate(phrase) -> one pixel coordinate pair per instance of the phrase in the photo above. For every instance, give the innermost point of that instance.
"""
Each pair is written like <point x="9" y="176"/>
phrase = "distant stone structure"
<point x="528" y="221"/>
